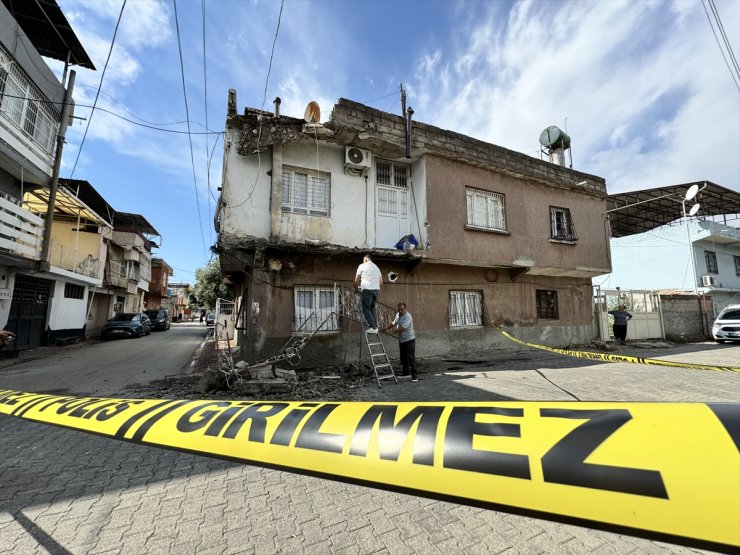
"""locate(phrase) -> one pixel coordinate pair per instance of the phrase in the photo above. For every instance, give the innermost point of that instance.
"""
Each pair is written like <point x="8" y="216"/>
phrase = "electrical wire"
<point x="190" y="138"/>
<point x="734" y="79"/>
<point x="205" y="103"/>
<point x="721" y="28"/>
<point x="274" y="41"/>
<point x="100" y="86"/>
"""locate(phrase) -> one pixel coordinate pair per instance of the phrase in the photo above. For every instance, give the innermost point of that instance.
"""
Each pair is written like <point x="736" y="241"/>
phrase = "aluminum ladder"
<point x="382" y="367"/>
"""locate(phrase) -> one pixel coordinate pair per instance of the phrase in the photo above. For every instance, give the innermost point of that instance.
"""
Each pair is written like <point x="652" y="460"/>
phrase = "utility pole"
<point x="44" y="263"/>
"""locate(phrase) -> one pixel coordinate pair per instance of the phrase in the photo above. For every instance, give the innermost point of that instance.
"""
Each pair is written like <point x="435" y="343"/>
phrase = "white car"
<point x="727" y="325"/>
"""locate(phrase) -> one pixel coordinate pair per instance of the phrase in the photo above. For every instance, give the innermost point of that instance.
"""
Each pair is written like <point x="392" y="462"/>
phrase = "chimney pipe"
<point x="409" y="113"/>
<point x="277" y="106"/>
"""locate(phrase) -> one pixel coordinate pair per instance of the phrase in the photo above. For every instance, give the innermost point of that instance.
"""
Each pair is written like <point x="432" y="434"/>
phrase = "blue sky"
<point x="641" y="87"/>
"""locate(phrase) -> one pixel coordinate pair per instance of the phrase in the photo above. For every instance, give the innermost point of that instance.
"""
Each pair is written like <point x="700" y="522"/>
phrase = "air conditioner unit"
<point x="707" y="281"/>
<point x="357" y="158"/>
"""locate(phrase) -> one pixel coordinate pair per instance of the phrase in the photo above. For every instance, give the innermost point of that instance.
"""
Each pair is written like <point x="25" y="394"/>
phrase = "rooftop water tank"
<point x="554" y="137"/>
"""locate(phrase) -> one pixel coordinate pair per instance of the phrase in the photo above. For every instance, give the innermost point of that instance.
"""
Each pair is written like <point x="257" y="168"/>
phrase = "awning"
<point x="639" y="211"/>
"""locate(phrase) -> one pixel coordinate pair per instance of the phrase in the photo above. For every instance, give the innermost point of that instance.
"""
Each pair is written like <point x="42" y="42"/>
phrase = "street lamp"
<point x="690" y="194"/>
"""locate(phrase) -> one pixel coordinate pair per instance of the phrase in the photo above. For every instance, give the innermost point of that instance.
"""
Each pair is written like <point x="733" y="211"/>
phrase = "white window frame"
<point x="306" y="317"/>
<point x="486" y="210"/>
<point x="466" y="309"/>
<point x="302" y="192"/>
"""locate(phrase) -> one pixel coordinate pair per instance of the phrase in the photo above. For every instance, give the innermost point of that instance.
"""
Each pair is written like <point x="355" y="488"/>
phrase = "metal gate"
<point x="644" y="305"/>
<point x="27" y="319"/>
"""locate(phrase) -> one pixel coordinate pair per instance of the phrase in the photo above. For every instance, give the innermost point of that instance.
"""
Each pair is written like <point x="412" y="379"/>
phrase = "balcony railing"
<point x="69" y="259"/>
<point x="21" y="231"/>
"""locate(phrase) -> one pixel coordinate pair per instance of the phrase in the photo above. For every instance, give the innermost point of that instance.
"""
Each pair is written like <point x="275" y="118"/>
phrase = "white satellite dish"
<point x="691" y="193"/>
<point x="312" y="113"/>
<point x="694" y="209"/>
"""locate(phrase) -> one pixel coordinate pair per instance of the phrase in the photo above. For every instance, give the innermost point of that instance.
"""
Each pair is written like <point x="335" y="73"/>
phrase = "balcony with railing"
<point x="64" y="257"/>
<point x="21" y="231"/>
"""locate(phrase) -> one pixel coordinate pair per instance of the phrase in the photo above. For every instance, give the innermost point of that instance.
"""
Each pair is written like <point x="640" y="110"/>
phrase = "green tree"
<point x="209" y="287"/>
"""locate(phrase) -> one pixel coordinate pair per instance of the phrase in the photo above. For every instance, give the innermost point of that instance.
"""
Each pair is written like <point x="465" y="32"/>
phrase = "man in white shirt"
<point x="368" y="280"/>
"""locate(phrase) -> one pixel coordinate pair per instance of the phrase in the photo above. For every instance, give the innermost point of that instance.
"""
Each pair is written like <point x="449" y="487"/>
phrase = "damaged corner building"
<point x="472" y="235"/>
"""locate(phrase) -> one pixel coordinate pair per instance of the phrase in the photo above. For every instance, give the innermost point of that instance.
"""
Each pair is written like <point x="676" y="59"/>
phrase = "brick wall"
<point x="454" y="145"/>
<point x="683" y="316"/>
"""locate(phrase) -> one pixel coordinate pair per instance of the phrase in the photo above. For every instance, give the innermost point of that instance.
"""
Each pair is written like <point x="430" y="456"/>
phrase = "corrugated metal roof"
<point x="48" y="30"/>
<point x="639" y="211"/>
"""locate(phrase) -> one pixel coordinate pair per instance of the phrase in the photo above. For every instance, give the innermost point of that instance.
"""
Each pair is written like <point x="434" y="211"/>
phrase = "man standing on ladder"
<point x="368" y="280"/>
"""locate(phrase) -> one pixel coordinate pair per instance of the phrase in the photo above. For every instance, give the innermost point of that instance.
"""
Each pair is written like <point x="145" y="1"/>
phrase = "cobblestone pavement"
<point x="63" y="491"/>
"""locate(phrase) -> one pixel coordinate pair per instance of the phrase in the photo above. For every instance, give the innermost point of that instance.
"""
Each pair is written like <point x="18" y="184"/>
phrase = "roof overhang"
<point x="639" y="211"/>
<point x="49" y="31"/>
<point x="125" y="221"/>
<point x="74" y="198"/>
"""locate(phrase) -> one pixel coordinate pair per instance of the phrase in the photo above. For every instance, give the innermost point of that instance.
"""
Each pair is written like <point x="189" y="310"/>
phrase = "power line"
<point x="190" y="137"/>
<point x="100" y="86"/>
<point x="269" y="67"/>
<point x="205" y="103"/>
<point x="721" y="28"/>
<point x="734" y="79"/>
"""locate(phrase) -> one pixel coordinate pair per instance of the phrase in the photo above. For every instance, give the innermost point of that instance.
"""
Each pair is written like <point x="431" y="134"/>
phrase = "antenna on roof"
<point x="312" y="113"/>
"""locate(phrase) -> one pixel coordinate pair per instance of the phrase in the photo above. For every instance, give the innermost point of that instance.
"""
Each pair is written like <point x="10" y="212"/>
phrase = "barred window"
<point x="315" y="309"/>
<point x="711" y="260"/>
<point x="561" y="225"/>
<point x="466" y="308"/>
<point x="392" y="174"/>
<point x="23" y="103"/>
<point x="485" y="209"/>
<point x="547" y="304"/>
<point x="72" y="291"/>
<point x="306" y="191"/>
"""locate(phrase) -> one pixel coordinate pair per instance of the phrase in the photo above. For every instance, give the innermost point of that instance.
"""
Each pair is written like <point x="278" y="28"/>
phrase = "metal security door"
<point x="27" y="317"/>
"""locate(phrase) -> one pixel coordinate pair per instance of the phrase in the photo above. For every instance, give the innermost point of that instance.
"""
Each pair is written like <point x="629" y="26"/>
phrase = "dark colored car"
<point x="160" y="319"/>
<point x="127" y="324"/>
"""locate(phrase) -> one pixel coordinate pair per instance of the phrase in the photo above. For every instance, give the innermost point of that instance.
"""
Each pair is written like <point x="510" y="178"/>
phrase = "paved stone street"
<point x="63" y="491"/>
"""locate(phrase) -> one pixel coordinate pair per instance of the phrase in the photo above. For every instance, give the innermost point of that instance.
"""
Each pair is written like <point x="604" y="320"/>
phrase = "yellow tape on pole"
<point x="620" y="358"/>
<point x="667" y="470"/>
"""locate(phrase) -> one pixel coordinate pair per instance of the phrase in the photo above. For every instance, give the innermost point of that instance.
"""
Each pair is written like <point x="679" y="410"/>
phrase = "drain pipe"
<point x="409" y="113"/>
<point x="44" y="263"/>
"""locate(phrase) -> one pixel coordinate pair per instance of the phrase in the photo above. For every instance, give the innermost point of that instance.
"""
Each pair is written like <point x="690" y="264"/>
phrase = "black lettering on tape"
<point x="146" y="426"/>
<point x="257" y="420"/>
<point x="188" y="423"/>
<point x="102" y="413"/>
<point x="311" y="437"/>
<point x="29" y="403"/>
<point x="391" y="437"/>
<point x="729" y="416"/>
<point x="290" y="423"/>
<point x="215" y="429"/>
<point x="126" y="426"/>
<point x="564" y="463"/>
<point x="458" y="444"/>
<point x="78" y="411"/>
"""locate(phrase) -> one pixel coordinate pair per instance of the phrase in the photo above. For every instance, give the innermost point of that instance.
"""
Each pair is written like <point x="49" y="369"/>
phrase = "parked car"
<point x="727" y="325"/>
<point x="127" y="324"/>
<point x="210" y="319"/>
<point x="160" y="319"/>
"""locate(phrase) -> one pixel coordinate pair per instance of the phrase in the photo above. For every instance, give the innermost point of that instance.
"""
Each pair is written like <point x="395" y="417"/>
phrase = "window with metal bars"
<point x="711" y="260"/>
<point x="73" y="291"/>
<point x="315" y="308"/>
<point x="466" y="309"/>
<point x="392" y="174"/>
<point x="547" y="304"/>
<point x="306" y="191"/>
<point x="485" y="209"/>
<point x="561" y="225"/>
<point x="23" y="103"/>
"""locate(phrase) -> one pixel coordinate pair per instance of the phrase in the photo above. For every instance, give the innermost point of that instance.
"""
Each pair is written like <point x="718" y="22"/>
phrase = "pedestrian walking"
<point x="620" y="322"/>
<point x="202" y="316"/>
<point x="403" y="325"/>
<point x="368" y="280"/>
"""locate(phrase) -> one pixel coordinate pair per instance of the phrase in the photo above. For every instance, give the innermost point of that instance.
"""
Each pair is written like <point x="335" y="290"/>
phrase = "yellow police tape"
<point x="670" y="470"/>
<point x="621" y="358"/>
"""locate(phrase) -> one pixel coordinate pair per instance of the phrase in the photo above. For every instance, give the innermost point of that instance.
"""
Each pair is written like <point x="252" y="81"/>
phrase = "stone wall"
<point x="685" y="317"/>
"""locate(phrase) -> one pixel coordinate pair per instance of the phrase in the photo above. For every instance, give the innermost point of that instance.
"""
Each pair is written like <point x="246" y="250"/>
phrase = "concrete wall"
<point x="527" y="211"/>
<point x="426" y="292"/>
